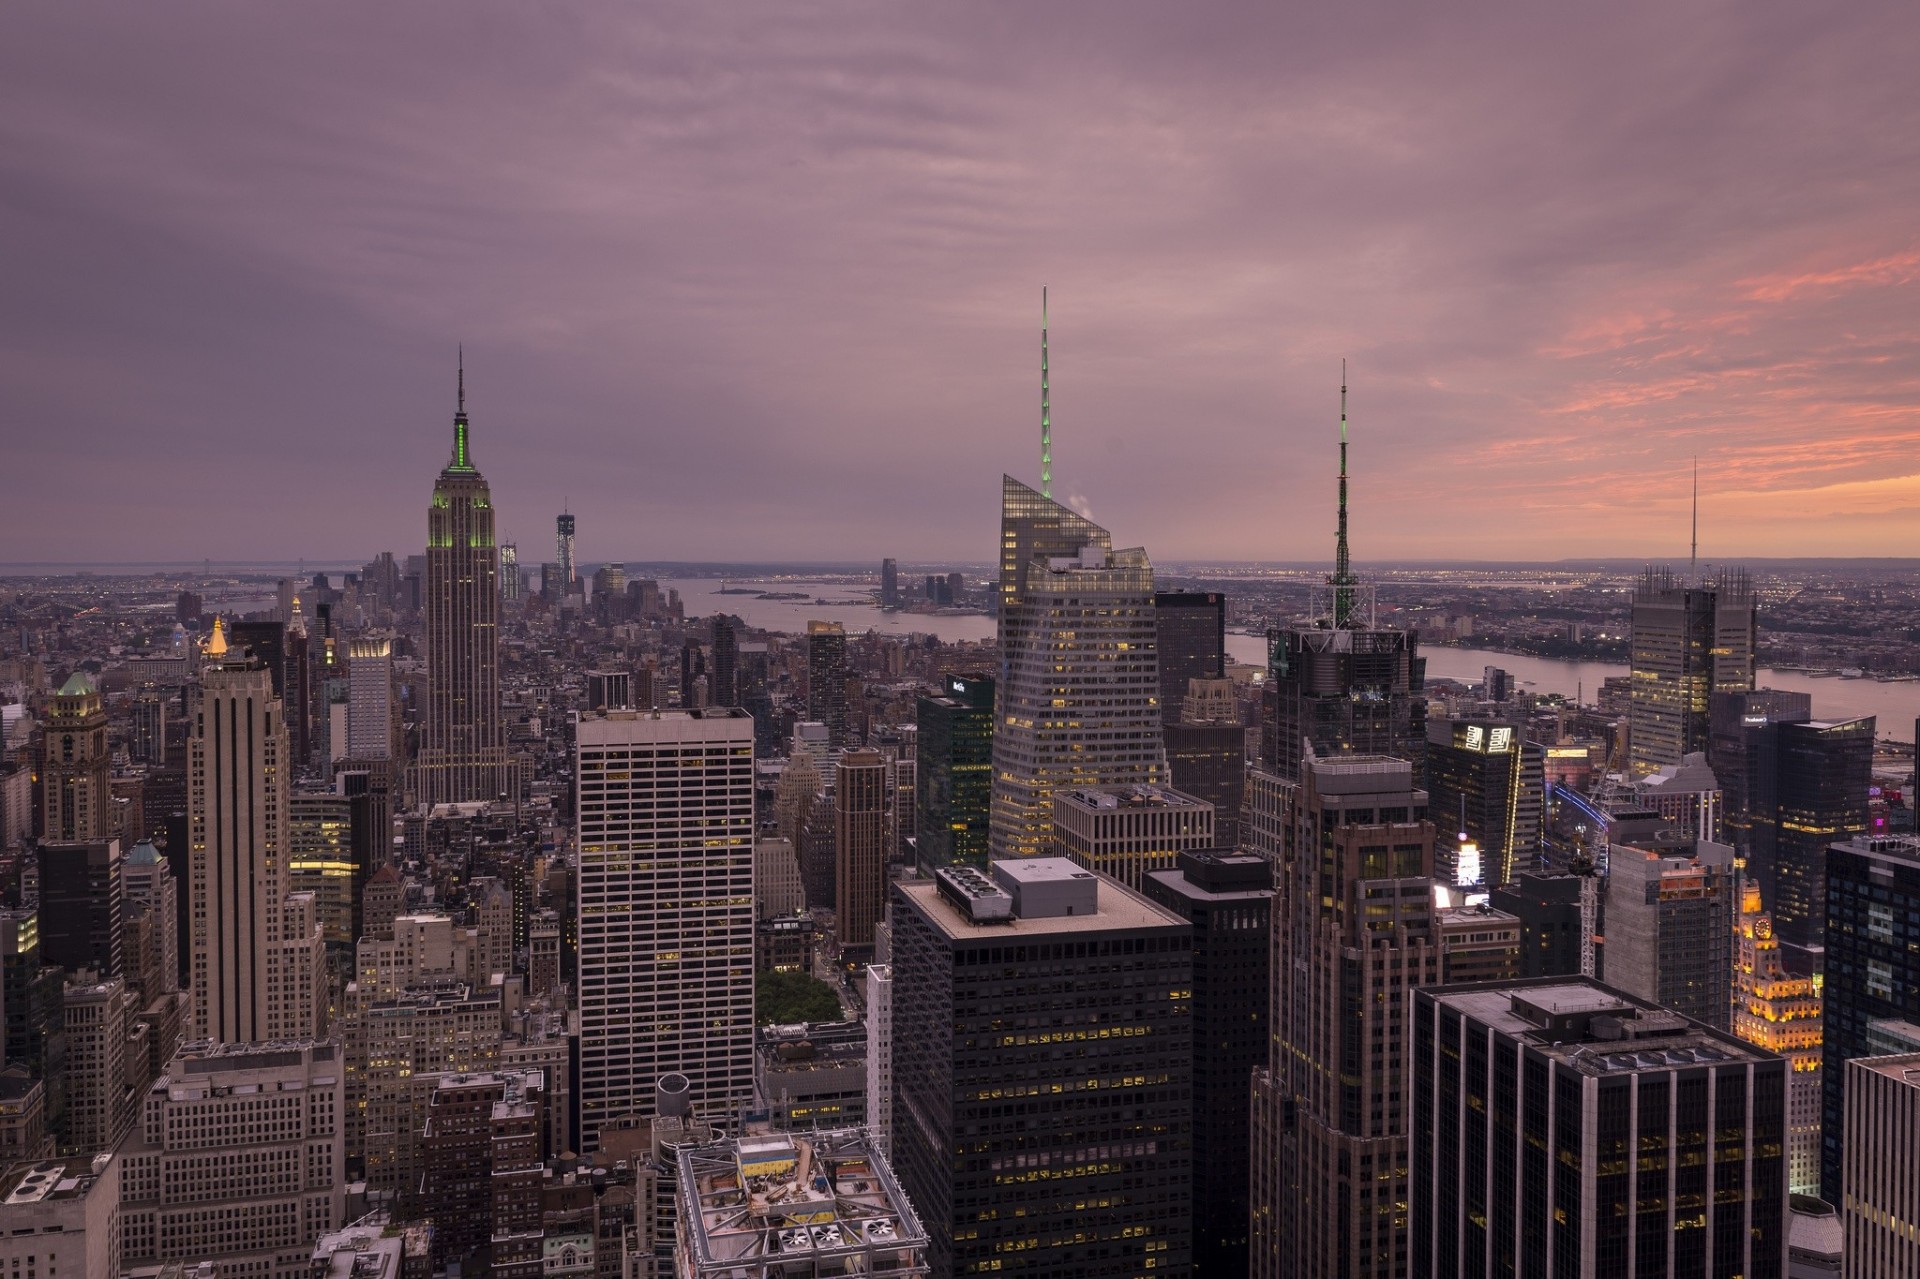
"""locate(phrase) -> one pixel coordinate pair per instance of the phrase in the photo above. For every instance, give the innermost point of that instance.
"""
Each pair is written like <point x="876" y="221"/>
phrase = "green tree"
<point x="785" y="998"/>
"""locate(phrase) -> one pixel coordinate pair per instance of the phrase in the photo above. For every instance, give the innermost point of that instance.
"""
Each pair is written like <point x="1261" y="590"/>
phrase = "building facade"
<point x="953" y="777"/>
<point x="1688" y="643"/>
<point x="1882" y="1174"/>
<point x="665" y="904"/>
<point x="1670" y="928"/>
<point x="1128" y="831"/>
<point x="1079" y="689"/>
<point x="861" y="850"/>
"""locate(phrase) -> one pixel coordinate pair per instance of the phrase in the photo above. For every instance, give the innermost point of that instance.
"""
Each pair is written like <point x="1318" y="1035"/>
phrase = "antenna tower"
<point x="1046" y="416"/>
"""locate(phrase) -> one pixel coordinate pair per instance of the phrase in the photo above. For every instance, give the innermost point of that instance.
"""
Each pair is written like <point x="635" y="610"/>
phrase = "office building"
<point x="320" y="861"/>
<point x="611" y="691"/>
<point x="255" y="1130"/>
<point x="665" y="904"/>
<point x="1872" y="973"/>
<point x="1740" y="750"/>
<point x="370" y="698"/>
<point x="1353" y="935"/>
<point x="1477" y="942"/>
<point x="889" y="584"/>
<point x="1227" y="899"/>
<point x="811" y="1075"/>
<point x="1127" y="831"/>
<point x="1686" y="795"/>
<point x="724" y="689"/>
<point x="512" y="586"/>
<point x="1207" y="753"/>
<point x="1780" y="1012"/>
<point x="463" y="751"/>
<point x="880" y="1055"/>
<point x="147" y="729"/>
<point x="1882" y="1203"/>
<point x="82" y="906"/>
<point x="75" y="799"/>
<point x="1190" y="631"/>
<point x="151" y="952"/>
<point x="861" y="851"/>
<point x="1688" y="643"/>
<point x="777" y="888"/>
<point x="62" y="1215"/>
<point x="1563" y="1127"/>
<point x="954" y="774"/>
<point x="31" y="994"/>
<point x="1042" y="1044"/>
<point x="471" y="1118"/>
<point x="1548" y="907"/>
<point x="257" y="968"/>
<point x="1487" y="788"/>
<point x="569" y="567"/>
<point x="1670" y="928"/>
<point x="1079" y="689"/>
<point x="827" y="679"/>
<point x="1824" y="769"/>
<point x="101" y="1082"/>
<point x="856" y="1218"/>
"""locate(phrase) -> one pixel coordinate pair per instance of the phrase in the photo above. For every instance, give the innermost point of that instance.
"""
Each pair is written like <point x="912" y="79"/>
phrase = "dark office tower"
<point x="1079" y="682"/>
<point x="1689" y="642"/>
<point x="1548" y="908"/>
<point x="860" y="850"/>
<point x="1042" y="1044"/>
<point x="1353" y="935"/>
<point x="609" y="691"/>
<point x="725" y="688"/>
<point x="1227" y="899"/>
<point x="82" y="903"/>
<point x="1561" y="1127"/>
<point x="889" y="584"/>
<point x="463" y="752"/>
<point x="1191" y="629"/>
<point x="74" y="792"/>
<point x="1671" y="916"/>
<point x="147" y="732"/>
<point x="827" y="678"/>
<point x="298" y="698"/>
<point x="1822" y="774"/>
<point x="1740" y="751"/>
<point x="953" y="776"/>
<point x="569" y="567"/>
<point x="696" y="687"/>
<point x="1207" y="753"/>
<point x="369" y="830"/>
<point x="1872" y="970"/>
<point x="1487" y="789"/>
<point x="266" y="642"/>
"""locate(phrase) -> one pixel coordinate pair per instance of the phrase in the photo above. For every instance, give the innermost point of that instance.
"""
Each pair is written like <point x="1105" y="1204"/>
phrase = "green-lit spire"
<point x="1046" y="418"/>
<point x="1342" y="569"/>
<point x="461" y="460"/>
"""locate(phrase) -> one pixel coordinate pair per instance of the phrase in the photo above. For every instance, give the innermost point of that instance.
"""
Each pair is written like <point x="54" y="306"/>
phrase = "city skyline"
<point x="1637" y="238"/>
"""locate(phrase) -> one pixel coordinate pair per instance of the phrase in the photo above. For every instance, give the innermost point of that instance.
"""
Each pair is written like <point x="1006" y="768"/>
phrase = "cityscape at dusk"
<point x="861" y="642"/>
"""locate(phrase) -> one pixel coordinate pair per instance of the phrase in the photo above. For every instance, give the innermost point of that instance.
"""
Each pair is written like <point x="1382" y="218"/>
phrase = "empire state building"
<point x="463" y="755"/>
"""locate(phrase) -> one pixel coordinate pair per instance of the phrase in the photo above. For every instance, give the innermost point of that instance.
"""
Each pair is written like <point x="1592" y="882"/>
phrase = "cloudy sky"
<point x="745" y="281"/>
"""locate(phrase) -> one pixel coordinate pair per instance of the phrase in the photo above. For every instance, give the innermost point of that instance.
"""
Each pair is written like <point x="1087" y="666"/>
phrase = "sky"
<point x="747" y="281"/>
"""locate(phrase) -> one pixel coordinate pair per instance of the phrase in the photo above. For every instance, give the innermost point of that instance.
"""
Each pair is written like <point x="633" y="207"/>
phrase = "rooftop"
<point x="51" y="1180"/>
<point x="1116" y="907"/>
<point x="1902" y="1069"/>
<point x="1595" y="1029"/>
<point x="1129" y="797"/>
<point x="776" y="1204"/>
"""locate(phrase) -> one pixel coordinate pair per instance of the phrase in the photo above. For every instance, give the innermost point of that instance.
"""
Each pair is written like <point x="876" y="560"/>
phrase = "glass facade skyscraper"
<point x="1079" y="690"/>
<point x="1689" y="642"/>
<point x="954" y="773"/>
<point x="1191" y="627"/>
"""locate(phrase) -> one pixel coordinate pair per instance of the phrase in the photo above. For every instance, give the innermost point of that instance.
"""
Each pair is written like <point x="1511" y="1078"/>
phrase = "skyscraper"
<point x="370" y="698"/>
<point x="1487" y="789"/>
<point x="1882" y="1174"/>
<point x="827" y="678"/>
<point x="1689" y="642"/>
<point x="257" y="966"/>
<point x="1670" y="928"/>
<point x="1227" y="898"/>
<point x="1780" y="1012"/>
<point x="1207" y="752"/>
<point x="569" y="568"/>
<point x="463" y="754"/>
<point x="1353" y="936"/>
<point x="82" y="903"/>
<point x="1872" y="972"/>
<point x="889" y="583"/>
<point x="1819" y="797"/>
<point x="725" y="689"/>
<point x="1343" y="686"/>
<point x="1191" y="630"/>
<point x="1042" y="1042"/>
<point x="510" y="585"/>
<point x="73" y="779"/>
<point x="954" y="774"/>
<point x="1079" y="689"/>
<point x="665" y="902"/>
<point x="1563" y="1127"/>
<point x="860" y="850"/>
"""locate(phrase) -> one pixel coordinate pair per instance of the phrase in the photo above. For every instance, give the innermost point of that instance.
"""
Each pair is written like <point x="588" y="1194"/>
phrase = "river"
<point x="849" y="604"/>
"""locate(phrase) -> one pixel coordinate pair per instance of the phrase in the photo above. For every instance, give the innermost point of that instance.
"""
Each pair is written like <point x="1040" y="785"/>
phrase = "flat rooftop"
<point x="47" y="1181"/>
<point x="1611" y="1032"/>
<point x="1902" y="1069"/>
<point x="1129" y="798"/>
<point x="1116" y="908"/>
